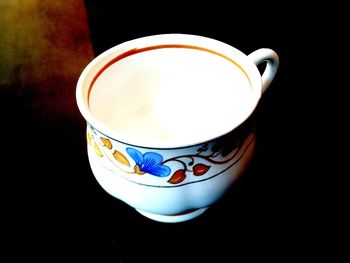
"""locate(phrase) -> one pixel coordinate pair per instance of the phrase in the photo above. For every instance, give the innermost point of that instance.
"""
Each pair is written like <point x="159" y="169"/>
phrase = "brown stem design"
<point x="182" y="162"/>
<point x="218" y="153"/>
<point x="204" y="157"/>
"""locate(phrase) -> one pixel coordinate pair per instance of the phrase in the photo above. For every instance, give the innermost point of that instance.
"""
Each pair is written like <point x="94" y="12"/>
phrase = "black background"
<point x="54" y="205"/>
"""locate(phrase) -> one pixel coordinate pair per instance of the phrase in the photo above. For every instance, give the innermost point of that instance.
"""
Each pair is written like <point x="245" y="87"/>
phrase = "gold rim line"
<point x="139" y="50"/>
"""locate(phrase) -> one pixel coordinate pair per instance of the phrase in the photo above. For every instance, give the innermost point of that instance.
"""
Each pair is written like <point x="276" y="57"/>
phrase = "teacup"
<point x="170" y="120"/>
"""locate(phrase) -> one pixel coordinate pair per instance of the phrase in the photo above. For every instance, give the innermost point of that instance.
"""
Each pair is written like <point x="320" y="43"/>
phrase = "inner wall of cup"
<point x="203" y="120"/>
<point x="149" y="48"/>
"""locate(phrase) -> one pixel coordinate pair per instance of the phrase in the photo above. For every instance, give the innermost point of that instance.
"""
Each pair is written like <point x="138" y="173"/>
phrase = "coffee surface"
<point x="168" y="93"/>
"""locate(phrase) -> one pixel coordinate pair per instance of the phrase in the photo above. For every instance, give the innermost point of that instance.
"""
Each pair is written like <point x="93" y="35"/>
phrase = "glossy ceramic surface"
<point x="173" y="181"/>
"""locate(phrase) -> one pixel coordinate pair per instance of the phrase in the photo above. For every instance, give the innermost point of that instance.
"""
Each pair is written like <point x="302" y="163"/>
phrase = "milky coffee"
<point x="168" y="92"/>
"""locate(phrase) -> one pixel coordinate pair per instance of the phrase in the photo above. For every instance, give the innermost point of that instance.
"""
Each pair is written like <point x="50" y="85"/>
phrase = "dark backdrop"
<point x="55" y="206"/>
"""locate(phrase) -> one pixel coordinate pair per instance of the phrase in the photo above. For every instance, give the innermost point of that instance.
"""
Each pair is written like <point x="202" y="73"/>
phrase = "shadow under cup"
<point x="169" y="128"/>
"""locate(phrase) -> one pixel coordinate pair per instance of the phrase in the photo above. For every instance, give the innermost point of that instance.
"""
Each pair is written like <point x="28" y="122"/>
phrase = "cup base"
<point x="176" y="218"/>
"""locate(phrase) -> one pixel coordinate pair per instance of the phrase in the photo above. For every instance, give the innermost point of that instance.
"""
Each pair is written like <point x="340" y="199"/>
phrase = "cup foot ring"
<point x="190" y="214"/>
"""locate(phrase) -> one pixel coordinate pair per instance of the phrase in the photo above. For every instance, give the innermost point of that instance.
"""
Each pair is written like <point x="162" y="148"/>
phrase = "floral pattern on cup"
<point x="176" y="169"/>
<point x="150" y="162"/>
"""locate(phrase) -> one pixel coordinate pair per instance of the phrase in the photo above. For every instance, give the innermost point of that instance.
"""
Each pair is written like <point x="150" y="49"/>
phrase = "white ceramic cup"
<point x="178" y="179"/>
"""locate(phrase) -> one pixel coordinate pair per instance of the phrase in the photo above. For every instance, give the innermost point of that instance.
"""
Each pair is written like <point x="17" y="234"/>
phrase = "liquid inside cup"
<point x="171" y="93"/>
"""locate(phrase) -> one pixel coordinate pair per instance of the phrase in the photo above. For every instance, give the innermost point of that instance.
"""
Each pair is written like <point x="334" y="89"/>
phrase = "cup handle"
<point x="269" y="56"/>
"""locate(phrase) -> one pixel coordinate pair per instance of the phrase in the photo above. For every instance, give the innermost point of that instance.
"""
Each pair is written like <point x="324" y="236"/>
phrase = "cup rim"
<point x="216" y="46"/>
